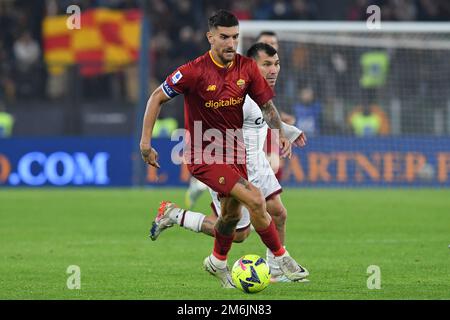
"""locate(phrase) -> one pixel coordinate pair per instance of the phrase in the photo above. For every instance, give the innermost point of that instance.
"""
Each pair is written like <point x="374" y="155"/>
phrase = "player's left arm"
<point x="296" y="136"/>
<point x="273" y="120"/>
<point x="260" y="91"/>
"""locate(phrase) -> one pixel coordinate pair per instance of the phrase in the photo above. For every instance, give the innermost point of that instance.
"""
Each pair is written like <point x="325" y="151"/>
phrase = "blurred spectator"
<point x="187" y="47"/>
<point x="298" y="60"/>
<point x="27" y="57"/>
<point x="51" y="8"/>
<point x="303" y="10"/>
<point x="183" y="14"/>
<point x="8" y="25"/>
<point x="340" y="69"/>
<point x="7" y="87"/>
<point x="428" y="10"/>
<point x="263" y="10"/>
<point x="280" y="10"/>
<point x="308" y="112"/>
<point x="6" y="122"/>
<point x="26" y="52"/>
<point x="369" y="121"/>
<point x="241" y="9"/>
<point x="164" y="127"/>
<point x="374" y="73"/>
<point x="357" y="10"/>
<point x="404" y="10"/>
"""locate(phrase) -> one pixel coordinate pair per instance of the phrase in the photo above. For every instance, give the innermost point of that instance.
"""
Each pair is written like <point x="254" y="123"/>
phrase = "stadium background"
<point x="85" y="83"/>
<point x="77" y="104"/>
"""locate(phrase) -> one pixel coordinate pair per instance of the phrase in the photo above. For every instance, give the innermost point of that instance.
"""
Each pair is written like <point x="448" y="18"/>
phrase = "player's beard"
<point x="228" y="55"/>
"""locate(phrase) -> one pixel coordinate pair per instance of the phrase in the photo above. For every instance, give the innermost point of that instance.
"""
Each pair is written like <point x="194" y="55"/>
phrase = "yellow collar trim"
<point x="218" y="64"/>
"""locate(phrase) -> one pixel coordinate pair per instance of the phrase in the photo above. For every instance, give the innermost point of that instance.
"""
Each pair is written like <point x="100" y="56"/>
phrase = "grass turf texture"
<point x="336" y="234"/>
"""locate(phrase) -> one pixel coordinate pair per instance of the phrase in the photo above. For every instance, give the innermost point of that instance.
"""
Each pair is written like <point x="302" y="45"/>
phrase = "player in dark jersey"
<point x="214" y="87"/>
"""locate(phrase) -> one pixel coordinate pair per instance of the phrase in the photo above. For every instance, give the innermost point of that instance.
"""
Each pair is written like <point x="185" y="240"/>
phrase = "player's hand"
<point x="300" y="141"/>
<point x="286" y="147"/>
<point x="150" y="156"/>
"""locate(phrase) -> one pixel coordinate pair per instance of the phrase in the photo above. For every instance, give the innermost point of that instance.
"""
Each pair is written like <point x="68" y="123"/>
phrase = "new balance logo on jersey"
<point x="211" y="87"/>
<point x="224" y="103"/>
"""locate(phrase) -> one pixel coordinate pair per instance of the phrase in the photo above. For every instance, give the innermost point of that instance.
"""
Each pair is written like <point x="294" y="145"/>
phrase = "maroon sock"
<point x="222" y="244"/>
<point x="271" y="239"/>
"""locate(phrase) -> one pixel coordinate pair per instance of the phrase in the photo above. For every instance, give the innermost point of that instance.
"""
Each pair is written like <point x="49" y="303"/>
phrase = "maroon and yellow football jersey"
<point x="213" y="99"/>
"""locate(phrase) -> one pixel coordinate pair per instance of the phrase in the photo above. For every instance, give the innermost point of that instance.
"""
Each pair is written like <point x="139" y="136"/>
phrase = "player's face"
<point x="224" y="42"/>
<point x="272" y="40"/>
<point x="269" y="67"/>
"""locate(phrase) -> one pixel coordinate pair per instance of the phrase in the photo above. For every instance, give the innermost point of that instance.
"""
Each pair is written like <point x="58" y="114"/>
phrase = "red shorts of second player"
<point x="219" y="177"/>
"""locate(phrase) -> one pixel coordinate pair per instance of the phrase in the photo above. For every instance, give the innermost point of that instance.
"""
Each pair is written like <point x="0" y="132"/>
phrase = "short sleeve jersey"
<point x="213" y="98"/>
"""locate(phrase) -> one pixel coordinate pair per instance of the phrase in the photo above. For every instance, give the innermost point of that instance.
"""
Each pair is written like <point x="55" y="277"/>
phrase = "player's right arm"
<point x="157" y="98"/>
<point x="176" y="83"/>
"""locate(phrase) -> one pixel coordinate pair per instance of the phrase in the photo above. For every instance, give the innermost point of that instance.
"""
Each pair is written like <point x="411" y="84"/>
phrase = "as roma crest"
<point x="241" y="83"/>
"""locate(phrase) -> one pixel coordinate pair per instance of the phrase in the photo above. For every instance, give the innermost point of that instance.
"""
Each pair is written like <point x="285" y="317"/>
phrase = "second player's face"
<point x="269" y="67"/>
<point x="224" y="42"/>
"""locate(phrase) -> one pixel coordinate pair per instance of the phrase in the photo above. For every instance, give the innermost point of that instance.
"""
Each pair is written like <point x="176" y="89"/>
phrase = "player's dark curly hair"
<point x="222" y="18"/>
<point x="254" y="50"/>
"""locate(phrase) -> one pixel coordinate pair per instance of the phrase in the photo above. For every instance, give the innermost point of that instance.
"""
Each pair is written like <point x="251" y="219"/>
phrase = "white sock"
<point x="177" y="214"/>
<point x="271" y="260"/>
<point x="270" y="257"/>
<point x="221" y="264"/>
<point x="188" y="219"/>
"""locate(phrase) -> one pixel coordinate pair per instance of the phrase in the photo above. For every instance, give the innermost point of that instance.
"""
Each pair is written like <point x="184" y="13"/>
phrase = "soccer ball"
<point x="251" y="273"/>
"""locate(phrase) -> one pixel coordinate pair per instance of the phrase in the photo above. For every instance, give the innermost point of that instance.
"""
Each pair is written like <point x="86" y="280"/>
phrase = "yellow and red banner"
<point x="107" y="40"/>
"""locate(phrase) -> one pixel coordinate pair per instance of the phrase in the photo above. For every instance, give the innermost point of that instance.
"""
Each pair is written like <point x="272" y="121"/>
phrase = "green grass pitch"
<point x="336" y="234"/>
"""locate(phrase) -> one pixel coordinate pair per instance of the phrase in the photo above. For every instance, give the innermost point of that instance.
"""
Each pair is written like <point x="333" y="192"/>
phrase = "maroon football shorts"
<point x="219" y="177"/>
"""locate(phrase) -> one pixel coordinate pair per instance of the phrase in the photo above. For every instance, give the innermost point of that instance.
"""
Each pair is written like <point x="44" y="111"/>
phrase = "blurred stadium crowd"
<point x="178" y="28"/>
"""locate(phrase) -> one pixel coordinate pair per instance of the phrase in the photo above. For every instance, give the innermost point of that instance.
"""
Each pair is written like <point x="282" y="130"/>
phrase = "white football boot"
<point x="290" y="268"/>
<point x="276" y="275"/>
<point x="163" y="220"/>
<point x="223" y="274"/>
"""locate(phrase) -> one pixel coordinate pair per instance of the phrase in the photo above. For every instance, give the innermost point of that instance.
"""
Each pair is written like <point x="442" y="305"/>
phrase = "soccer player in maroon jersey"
<point x="214" y="87"/>
<point x="258" y="169"/>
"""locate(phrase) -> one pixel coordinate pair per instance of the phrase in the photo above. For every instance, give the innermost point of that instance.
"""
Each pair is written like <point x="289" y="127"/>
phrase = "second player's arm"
<point x="152" y="110"/>
<point x="296" y="136"/>
<point x="273" y="120"/>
